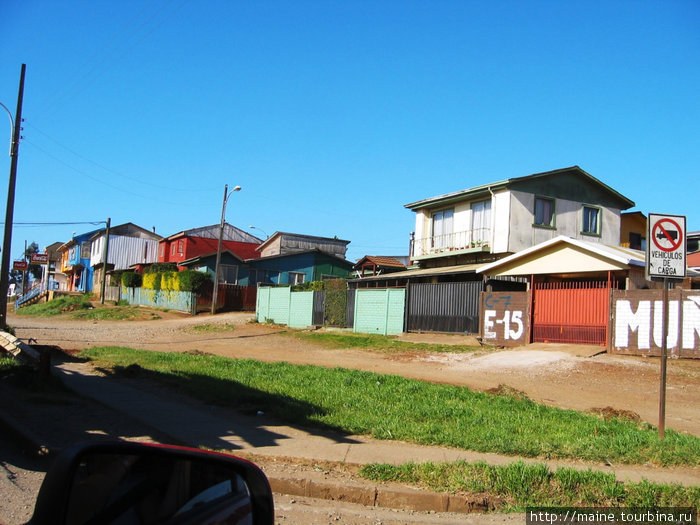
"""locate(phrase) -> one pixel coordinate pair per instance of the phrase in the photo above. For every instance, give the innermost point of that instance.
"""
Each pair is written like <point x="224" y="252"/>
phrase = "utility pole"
<point x="10" y="211"/>
<point x="215" y="292"/>
<point x="105" y="254"/>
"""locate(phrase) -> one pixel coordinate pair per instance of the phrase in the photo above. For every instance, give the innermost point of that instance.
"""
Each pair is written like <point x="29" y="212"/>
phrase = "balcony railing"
<point x="477" y="240"/>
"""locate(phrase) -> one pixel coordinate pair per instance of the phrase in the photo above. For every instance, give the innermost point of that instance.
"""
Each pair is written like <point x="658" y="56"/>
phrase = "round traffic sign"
<point x="667" y="235"/>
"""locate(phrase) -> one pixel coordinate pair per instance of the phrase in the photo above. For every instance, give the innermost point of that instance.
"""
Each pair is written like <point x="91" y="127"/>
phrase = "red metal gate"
<point x="571" y="312"/>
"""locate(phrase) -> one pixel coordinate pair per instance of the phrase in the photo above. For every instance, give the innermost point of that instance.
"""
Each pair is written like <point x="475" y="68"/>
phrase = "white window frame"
<point x="442" y="228"/>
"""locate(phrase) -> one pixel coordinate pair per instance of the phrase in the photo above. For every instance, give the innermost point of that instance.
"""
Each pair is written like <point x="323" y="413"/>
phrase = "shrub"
<point x="161" y="267"/>
<point x="169" y="281"/>
<point x="151" y="281"/>
<point x="193" y="280"/>
<point x="131" y="279"/>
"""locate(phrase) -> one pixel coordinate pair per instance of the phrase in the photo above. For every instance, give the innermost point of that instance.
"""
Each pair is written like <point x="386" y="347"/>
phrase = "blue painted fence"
<point x="170" y="299"/>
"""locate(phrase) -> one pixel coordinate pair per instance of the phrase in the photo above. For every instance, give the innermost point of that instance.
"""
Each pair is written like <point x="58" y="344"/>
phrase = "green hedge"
<point x="193" y="280"/>
<point x="186" y="281"/>
<point x="131" y="279"/>
<point x="160" y="268"/>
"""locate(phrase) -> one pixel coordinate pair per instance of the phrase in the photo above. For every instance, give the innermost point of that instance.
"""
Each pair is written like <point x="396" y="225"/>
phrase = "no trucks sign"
<point x="666" y="257"/>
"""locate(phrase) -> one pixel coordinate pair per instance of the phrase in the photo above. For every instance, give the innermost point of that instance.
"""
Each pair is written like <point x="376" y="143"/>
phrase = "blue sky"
<point x="333" y="115"/>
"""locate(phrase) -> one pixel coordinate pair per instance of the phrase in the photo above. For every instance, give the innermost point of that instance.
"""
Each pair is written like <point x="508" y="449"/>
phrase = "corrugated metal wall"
<point x="124" y="251"/>
<point x="444" y="307"/>
<point x="379" y="311"/>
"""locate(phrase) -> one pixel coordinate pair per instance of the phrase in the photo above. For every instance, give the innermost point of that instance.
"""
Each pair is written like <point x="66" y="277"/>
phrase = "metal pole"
<point x="215" y="293"/>
<point x="10" y="210"/>
<point x="664" y="352"/>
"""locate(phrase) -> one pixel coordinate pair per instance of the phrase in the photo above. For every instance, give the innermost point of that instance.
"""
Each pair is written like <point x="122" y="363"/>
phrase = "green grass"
<point x="380" y="343"/>
<point x="58" y="306"/>
<point x="393" y="407"/>
<point x="518" y="485"/>
<point x="8" y="365"/>
<point x="79" y="307"/>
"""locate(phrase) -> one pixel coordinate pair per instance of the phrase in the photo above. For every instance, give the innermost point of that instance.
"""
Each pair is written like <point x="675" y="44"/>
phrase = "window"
<point x="296" y="278"/>
<point x="591" y="220"/>
<point x="228" y="273"/>
<point x="181" y="247"/>
<point x="442" y="228"/>
<point x="481" y="221"/>
<point x="172" y="249"/>
<point x="636" y="241"/>
<point x="85" y="249"/>
<point x="162" y="250"/>
<point x="544" y="212"/>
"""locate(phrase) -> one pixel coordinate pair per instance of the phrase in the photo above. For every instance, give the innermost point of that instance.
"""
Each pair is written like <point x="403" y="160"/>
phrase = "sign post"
<point x="665" y="261"/>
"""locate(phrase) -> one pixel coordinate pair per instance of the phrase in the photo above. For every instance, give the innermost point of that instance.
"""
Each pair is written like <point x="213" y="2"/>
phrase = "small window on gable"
<point x="591" y="220"/>
<point x="544" y="212"/>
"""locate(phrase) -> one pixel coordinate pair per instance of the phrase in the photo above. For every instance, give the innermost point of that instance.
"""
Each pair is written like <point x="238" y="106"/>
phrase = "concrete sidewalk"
<point x="192" y="423"/>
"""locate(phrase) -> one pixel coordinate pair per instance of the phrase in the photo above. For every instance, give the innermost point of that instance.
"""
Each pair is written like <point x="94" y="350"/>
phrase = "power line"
<point x="93" y="223"/>
<point x="107" y="169"/>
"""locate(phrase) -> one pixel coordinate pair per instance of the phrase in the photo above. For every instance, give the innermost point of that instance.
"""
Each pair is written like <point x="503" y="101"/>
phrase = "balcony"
<point x="468" y="241"/>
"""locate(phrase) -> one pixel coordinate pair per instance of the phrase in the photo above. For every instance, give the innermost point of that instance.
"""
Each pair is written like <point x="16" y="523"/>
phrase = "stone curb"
<point x="395" y="497"/>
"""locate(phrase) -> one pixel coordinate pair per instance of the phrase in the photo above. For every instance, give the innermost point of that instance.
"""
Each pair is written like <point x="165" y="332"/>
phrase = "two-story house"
<point x="129" y="245"/>
<point x="487" y="222"/>
<point x="75" y="262"/>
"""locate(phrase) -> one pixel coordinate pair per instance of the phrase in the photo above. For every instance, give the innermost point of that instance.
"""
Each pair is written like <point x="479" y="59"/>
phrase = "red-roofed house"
<point x="371" y="265"/>
<point x="197" y="242"/>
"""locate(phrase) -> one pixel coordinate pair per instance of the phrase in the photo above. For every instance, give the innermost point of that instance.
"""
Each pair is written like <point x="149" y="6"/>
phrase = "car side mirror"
<point x="125" y="482"/>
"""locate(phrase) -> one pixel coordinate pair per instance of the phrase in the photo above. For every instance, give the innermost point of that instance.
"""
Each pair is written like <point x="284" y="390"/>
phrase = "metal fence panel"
<point x="319" y="303"/>
<point x="279" y="304"/>
<point x="350" y="310"/>
<point x="379" y="311"/>
<point x="301" y="309"/>
<point x="444" y="307"/>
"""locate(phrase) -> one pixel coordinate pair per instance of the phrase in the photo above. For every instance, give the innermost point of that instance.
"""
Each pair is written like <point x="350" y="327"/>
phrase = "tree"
<point x="34" y="269"/>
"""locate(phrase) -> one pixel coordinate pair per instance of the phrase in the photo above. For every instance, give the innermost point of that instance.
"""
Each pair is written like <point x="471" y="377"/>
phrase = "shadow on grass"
<point x="198" y="410"/>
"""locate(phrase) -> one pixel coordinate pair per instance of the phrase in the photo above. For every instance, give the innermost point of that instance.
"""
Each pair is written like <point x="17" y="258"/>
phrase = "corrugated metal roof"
<point x="487" y="188"/>
<point x="424" y="272"/>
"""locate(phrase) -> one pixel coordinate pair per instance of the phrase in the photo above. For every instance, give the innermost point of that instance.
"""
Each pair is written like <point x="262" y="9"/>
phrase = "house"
<point x="196" y="242"/>
<point x="57" y="278"/>
<point x="373" y="265"/>
<point x="633" y="230"/>
<point x="292" y="258"/>
<point x="232" y="269"/>
<point x="488" y="222"/>
<point x="129" y="245"/>
<point x="692" y="242"/>
<point x="75" y="262"/>
<point x="457" y="233"/>
<point x="570" y="282"/>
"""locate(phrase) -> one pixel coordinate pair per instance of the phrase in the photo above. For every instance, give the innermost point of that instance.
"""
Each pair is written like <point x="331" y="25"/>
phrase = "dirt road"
<point x="568" y="376"/>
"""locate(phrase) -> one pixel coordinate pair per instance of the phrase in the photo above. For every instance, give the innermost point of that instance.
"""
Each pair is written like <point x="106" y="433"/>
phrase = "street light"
<point x="215" y="294"/>
<point x="256" y="228"/>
